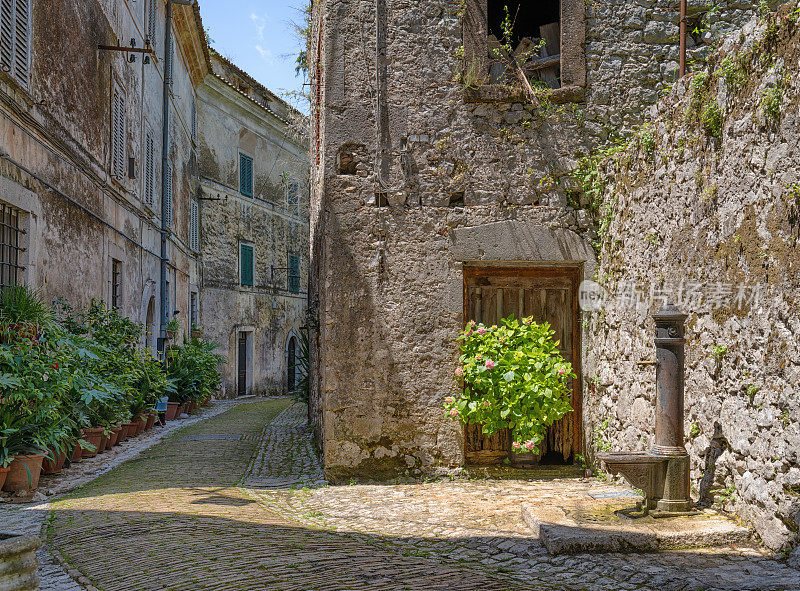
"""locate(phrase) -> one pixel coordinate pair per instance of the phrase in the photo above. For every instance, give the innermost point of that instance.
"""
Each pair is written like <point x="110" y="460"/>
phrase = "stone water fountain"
<point x="663" y="471"/>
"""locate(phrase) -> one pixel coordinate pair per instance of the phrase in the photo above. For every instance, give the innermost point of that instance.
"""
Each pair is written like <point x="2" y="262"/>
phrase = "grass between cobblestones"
<point x="174" y="519"/>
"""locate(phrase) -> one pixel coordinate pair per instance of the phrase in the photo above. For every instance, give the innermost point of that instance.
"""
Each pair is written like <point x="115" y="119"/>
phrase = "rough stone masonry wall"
<point x="716" y="201"/>
<point x="388" y="279"/>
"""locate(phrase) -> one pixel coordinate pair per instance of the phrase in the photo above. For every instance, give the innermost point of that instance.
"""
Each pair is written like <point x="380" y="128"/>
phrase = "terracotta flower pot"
<point x="3" y="474"/>
<point x="196" y="334"/>
<point x="207" y="400"/>
<point x="54" y="466"/>
<point x="118" y="434"/>
<point x="151" y="420"/>
<point x="77" y="454"/>
<point x="18" y="478"/>
<point x="103" y="443"/>
<point x="141" y="422"/>
<point x="131" y="429"/>
<point x="181" y="410"/>
<point x="93" y="435"/>
<point x="172" y="410"/>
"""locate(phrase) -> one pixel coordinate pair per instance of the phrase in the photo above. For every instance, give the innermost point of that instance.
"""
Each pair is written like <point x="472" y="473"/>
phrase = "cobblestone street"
<point x="238" y="502"/>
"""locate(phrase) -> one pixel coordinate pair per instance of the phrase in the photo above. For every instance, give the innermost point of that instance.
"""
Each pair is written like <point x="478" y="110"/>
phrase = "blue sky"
<point x="258" y="36"/>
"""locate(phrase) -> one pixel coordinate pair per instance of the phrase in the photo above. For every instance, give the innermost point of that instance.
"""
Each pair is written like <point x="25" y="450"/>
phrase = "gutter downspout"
<point x="165" y="169"/>
<point x="682" y="71"/>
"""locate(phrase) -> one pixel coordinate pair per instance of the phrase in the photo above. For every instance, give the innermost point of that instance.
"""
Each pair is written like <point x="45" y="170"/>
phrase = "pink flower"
<point x="486" y="404"/>
<point x="453" y="412"/>
<point x="471" y="323"/>
<point x="478" y="357"/>
<point x="516" y="445"/>
<point x="490" y="364"/>
<point x="459" y="371"/>
<point x="527" y="320"/>
<point x="45" y="377"/>
<point x="562" y="370"/>
<point x="449" y="400"/>
<point x="481" y="330"/>
<point x="529" y="444"/>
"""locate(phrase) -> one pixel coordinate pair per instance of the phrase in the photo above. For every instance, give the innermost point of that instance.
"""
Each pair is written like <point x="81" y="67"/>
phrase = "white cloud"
<point x="265" y="54"/>
<point x="260" y="23"/>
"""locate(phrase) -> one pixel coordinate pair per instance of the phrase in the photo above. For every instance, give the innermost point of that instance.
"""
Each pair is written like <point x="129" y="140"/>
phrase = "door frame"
<point x="575" y="274"/>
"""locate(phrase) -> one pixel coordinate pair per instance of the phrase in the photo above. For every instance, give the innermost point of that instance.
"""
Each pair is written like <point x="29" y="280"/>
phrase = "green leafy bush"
<point x="514" y="377"/>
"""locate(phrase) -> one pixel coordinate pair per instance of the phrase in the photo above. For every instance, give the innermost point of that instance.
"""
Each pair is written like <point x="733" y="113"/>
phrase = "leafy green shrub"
<point x="194" y="371"/>
<point x="513" y="377"/>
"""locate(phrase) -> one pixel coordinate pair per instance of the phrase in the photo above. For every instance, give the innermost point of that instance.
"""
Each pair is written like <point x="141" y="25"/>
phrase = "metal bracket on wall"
<point x="132" y="49"/>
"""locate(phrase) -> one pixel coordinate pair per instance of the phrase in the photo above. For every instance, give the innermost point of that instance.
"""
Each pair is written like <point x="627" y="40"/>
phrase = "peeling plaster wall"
<point x="724" y="213"/>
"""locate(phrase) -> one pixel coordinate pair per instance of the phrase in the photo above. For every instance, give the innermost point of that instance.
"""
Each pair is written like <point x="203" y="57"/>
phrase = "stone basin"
<point x="18" y="562"/>
<point x="644" y="470"/>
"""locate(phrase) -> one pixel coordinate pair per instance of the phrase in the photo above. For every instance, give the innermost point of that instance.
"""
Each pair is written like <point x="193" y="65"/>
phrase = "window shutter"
<point x="152" y="15"/>
<point x="246" y="258"/>
<point x="245" y="175"/>
<point x="149" y="170"/>
<point x="168" y="196"/>
<point x="118" y="133"/>
<point x="294" y="274"/>
<point x="15" y="19"/>
<point x="194" y="230"/>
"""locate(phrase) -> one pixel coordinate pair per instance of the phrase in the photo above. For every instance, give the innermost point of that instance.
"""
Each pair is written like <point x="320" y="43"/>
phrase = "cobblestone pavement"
<point x="213" y="507"/>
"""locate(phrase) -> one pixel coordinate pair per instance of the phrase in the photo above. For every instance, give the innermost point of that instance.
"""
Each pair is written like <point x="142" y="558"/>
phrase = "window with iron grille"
<point x="246" y="264"/>
<point x="294" y="274"/>
<point x="149" y="170"/>
<point x="116" y="283"/>
<point x="194" y="230"/>
<point x="245" y="175"/>
<point x="15" y="24"/>
<point x="292" y="195"/>
<point x="118" y="147"/>
<point x="10" y="246"/>
<point x="152" y="17"/>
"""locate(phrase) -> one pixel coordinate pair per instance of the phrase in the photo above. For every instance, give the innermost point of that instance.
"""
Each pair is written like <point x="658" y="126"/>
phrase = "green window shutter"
<point x="246" y="261"/>
<point x="245" y="175"/>
<point x="294" y="274"/>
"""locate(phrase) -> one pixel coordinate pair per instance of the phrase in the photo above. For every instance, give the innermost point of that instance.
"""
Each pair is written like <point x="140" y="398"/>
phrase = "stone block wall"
<point x="705" y="209"/>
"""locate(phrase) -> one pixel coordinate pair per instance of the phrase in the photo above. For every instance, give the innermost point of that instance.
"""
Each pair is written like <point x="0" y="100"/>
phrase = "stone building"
<point x="82" y="129"/>
<point x="92" y="206"/>
<point x="253" y="164"/>
<point x="441" y="193"/>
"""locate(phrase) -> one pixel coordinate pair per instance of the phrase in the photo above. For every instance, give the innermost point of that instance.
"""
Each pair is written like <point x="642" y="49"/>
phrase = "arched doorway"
<point x="291" y="365"/>
<point x="150" y="325"/>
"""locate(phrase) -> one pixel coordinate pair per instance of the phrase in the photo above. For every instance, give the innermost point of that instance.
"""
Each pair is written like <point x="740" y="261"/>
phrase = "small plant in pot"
<point x="196" y="332"/>
<point x="172" y="328"/>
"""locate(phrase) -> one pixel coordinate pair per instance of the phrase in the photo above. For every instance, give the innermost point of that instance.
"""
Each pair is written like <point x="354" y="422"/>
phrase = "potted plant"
<point x="196" y="332"/>
<point x="172" y="328"/>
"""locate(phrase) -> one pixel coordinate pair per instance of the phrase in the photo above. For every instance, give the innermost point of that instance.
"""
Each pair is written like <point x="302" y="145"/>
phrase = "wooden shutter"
<point x="294" y="274"/>
<point x="245" y="175"/>
<point x="168" y="195"/>
<point x="118" y="133"/>
<point x="246" y="258"/>
<point x="15" y="20"/>
<point x="194" y="230"/>
<point x="152" y="16"/>
<point x="149" y="170"/>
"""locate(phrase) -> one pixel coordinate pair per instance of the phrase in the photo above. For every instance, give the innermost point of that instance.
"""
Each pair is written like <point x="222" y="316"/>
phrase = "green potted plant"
<point x="196" y="332"/>
<point x="172" y="328"/>
<point x="513" y="377"/>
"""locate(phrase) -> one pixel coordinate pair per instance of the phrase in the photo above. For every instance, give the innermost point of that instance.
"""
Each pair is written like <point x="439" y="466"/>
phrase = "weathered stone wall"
<point x="386" y="280"/>
<point x="232" y="118"/>
<point x="79" y="217"/>
<point x="706" y="211"/>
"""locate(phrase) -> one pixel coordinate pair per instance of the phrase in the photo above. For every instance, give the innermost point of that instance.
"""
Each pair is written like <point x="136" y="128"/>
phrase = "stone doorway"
<point x="548" y="294"/>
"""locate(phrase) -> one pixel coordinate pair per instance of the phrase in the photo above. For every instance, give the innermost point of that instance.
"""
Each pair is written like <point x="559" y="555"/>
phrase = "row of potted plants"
<point x="74" y="385"/>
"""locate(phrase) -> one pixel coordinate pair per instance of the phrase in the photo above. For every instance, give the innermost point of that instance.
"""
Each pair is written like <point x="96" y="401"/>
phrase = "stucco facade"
<point x="256" y="323"/>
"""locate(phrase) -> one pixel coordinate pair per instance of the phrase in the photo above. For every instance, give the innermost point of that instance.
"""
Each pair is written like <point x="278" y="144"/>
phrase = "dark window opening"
<point x="10" y="246"/>
<point x="116" y="283"/>
<point x="457" y="199"/>
<point x="381" y="200"/>
<point x="291" y="365"/>
<point x="535" y="40"/>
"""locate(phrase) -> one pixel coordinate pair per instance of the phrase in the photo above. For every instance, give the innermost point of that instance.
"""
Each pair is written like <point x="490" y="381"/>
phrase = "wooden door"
<point x="242" y="373"/>
<point x="548" y="295"/>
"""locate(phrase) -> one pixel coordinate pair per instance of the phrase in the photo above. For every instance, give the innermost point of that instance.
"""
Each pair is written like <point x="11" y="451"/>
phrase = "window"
<point x="152" y="17"/>
<point x="118" y="132"/>
<point x="116" y="283"/>
<point x="246" y="264"/>
<point x="194" y="230"/>
<point x="294" y="274"/>
<point x="245" y="175"/>
<point x="546" y="39"/>
<point x="168" y="195"/>
<point x="15" y="24"/>
<point x="149" y="170"/>
<point x="193" y="320"/>
<point x="10" y="246"/>
<point x="292" y="195"/>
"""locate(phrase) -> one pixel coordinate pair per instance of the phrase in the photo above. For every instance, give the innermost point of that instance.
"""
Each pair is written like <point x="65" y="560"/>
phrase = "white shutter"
<point x="118" y="140"/>
<point x="152" y="16"/>
<point x="22" y="41"/>
<point x="168" y="196"/>
<point x="194" y="230"/>
<point x="15" y="21"/>
<point x="149" y="170"/>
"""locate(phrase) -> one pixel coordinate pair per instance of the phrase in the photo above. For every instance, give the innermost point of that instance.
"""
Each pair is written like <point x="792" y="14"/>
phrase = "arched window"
<point x="291" y="366"/>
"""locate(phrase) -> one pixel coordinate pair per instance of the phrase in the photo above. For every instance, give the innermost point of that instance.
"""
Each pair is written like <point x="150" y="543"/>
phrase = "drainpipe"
<point x="682" y="70"/>
<point x="165" y="142"/>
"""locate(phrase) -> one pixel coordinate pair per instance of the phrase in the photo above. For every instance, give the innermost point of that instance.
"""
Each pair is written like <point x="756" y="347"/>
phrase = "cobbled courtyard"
<point x="238" y="501"/>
